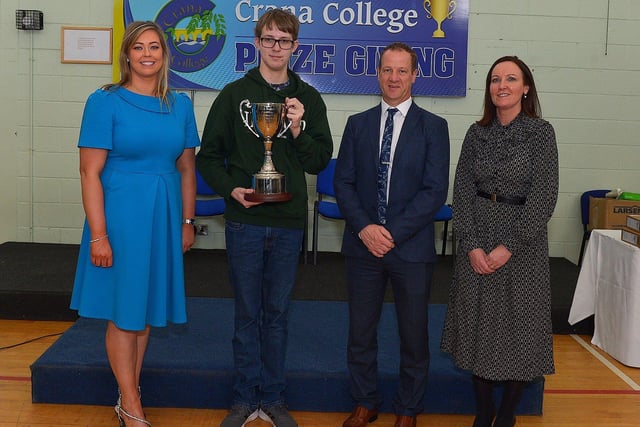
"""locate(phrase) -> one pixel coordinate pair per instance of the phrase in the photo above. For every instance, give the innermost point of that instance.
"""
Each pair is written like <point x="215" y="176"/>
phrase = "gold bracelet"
<point x="97" y="239"/>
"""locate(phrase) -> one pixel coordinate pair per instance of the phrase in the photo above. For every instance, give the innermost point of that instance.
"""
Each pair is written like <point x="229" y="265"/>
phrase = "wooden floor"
<point x="589" y="389"/>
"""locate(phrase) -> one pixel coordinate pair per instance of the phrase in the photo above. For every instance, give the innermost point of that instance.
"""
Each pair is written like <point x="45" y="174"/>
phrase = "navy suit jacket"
<point x="417" y="190"/>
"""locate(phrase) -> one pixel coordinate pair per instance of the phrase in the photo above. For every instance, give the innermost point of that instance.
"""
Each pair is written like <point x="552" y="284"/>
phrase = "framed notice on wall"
<point x="86" y="45"/>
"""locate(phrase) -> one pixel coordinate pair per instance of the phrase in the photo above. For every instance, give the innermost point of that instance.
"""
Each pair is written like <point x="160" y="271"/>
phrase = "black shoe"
<point x="483" y="421"/>
<point x="505" y="422"/>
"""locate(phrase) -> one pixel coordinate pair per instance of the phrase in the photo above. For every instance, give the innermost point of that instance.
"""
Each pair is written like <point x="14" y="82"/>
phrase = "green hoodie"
<point x="230" y="154"/>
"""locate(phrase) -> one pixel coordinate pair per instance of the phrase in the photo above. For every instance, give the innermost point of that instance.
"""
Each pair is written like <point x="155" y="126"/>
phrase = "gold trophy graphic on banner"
<point x="439" y="10"/>
<point x="265" y="120"/>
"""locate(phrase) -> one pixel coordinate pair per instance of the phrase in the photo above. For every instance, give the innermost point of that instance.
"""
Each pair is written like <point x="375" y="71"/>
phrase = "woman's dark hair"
<point x="530" y="103"/>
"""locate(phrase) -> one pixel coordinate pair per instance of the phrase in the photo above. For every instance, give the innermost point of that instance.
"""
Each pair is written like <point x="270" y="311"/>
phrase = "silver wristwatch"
<point x="190" y="221"/>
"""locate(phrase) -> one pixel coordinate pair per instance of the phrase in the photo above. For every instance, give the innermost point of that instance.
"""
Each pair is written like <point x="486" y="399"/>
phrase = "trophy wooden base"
<point x="265" y="198"/>
<point x="268" y="187"/>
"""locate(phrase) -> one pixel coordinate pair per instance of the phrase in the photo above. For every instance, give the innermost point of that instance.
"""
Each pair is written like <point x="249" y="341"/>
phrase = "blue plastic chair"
<point x="446" y="214"/>
<point x="321" y="207"/>
<point x="207" y="204"/>
<point x="584" y="210"/>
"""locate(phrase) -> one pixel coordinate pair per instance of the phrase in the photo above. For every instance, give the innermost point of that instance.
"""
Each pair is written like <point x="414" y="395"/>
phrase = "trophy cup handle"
<point x="425" y="5"/>
<point x="284" y="129"/>
<point x="452" y="5"/>
<point x="303" y="124"/>
<point x="245" y="108"/>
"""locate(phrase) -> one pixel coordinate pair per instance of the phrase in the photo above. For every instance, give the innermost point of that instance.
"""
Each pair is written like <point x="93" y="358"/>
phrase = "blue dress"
<point x="143" y="209"/>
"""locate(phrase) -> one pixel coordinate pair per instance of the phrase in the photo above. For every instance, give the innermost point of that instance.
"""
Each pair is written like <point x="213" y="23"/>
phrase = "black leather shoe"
<point x="504" y="422"/>
<point x="483" y="421"/>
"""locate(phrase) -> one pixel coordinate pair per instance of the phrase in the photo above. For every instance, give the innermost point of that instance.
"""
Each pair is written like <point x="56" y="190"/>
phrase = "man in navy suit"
<point x="389" y="198"/>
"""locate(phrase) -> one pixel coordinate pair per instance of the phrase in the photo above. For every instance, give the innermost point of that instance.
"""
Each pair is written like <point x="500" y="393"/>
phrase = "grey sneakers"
<point x="239" y="415"/>
<point x="277" y="415"/>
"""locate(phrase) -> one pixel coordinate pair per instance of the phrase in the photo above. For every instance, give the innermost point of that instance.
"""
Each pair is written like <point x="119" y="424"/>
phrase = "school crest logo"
<point x="195" y="34"/>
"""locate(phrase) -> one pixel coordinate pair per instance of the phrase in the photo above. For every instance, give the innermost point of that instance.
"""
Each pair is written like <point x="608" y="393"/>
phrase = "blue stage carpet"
<point x="191" y="365"/>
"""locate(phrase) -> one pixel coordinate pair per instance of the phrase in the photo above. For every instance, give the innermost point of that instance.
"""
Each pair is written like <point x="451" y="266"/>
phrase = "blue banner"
<point x="212" y="43"/>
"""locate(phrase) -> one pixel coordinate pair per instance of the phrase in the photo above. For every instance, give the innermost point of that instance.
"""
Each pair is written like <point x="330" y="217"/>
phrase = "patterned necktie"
<point x="383" y="167"/>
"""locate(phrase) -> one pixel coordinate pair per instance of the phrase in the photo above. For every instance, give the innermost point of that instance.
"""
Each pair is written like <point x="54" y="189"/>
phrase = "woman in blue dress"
<point x="137" y="149"/>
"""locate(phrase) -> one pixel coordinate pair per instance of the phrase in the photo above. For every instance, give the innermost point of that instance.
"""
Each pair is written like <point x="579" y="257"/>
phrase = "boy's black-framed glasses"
<point x="285" y="44"/>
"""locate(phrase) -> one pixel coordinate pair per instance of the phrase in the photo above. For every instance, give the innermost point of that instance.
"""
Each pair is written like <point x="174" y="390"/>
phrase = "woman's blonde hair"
<point x="131" y="35"/>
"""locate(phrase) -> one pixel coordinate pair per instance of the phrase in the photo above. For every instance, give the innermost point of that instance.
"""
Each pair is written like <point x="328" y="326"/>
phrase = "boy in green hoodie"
<point x="263" y="240"/>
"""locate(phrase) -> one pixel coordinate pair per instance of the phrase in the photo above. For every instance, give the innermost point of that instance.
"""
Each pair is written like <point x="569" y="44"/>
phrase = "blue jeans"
<point x="263" y="262"/>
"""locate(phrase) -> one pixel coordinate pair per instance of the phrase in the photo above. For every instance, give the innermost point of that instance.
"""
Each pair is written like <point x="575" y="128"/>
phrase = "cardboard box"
<point x="631" y="236"/>
<point x="633" y="222"/>
<point x="611" y="213"/>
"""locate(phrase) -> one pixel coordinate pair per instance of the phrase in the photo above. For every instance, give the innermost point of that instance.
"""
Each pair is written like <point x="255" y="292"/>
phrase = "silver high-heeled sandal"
<point x="118" y="408"/>
<point x="120" y="412"/>
<point x="120" y="395"/>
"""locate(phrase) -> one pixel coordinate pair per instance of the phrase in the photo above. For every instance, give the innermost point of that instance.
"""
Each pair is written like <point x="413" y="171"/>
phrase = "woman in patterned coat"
<point x="498" y="322"/>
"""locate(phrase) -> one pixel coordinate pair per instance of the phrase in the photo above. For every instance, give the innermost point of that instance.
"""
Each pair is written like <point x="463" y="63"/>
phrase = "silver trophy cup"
<point x="266" y="120"/>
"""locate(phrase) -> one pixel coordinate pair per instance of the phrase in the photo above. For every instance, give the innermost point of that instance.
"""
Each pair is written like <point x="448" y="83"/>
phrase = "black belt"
<point x="501" y="199"/>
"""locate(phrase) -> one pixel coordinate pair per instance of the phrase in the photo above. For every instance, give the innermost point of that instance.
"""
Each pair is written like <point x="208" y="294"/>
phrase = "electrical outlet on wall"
<point x="202" y="229"/>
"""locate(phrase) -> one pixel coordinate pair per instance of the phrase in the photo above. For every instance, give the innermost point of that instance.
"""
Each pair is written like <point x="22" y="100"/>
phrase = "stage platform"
<point x="36" y="281"/>
<point x="191" y="365"/>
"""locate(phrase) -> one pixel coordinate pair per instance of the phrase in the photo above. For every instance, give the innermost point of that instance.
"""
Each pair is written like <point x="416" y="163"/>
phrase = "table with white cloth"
<point x="609" y="288"/>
